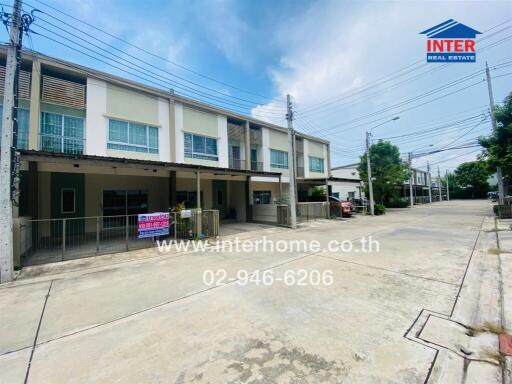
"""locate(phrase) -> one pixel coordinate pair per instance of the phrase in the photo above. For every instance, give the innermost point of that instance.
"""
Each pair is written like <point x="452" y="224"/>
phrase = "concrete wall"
<point x="96" y="124"/>
<point x="265" y="213"/>
<point x="128" y="104"/>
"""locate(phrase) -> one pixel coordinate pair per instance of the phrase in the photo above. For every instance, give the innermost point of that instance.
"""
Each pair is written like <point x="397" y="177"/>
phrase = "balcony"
<point x="256" y="166"/>
<point x="57" y="143"/>
<point x="236" y="163"/>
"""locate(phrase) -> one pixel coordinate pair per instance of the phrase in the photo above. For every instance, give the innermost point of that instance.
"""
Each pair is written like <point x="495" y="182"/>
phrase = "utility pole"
<point x="447" y="187"/>
<point x="439" y="184"/>
<point x="429" y="183"/>
<point x="369" y="171"/>
<point x="411" y="197"/>
<point x="8" y="143"/>
<point x="499" y="174"/>
<point x="291" y="163"/>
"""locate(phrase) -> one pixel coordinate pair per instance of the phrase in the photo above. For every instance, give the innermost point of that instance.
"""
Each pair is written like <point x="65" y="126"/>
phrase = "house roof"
<point x="109" y="161"/>
<point x="49" y="60"/>
<point x="451" y="29"/>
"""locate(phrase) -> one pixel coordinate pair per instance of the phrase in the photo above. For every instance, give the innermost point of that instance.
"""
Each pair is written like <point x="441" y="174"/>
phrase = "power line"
<point x="137" y="58"/>
<point x="161" y="81"/>
<point x="183" y="67"/>
<point x="390" y="77"/>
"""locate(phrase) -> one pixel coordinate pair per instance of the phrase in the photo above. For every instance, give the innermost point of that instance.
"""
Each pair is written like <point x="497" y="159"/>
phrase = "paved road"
<point x="153" y="320"/>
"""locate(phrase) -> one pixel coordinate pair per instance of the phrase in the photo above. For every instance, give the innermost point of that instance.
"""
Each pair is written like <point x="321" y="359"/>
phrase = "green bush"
<point x="380" y="209"/>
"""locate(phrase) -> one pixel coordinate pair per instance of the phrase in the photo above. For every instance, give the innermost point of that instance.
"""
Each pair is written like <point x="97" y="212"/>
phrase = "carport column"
<point x="280" y="188"/>
<point x="248" y="202"/>
<point x="198" y="204"/>
<point x="247" y="146"/>
<point x="328" y="209"/>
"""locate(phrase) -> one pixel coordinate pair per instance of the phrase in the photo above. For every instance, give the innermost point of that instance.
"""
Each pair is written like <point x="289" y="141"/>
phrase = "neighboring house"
<point x="345" y="182"/>
<point x="94" y="144"/>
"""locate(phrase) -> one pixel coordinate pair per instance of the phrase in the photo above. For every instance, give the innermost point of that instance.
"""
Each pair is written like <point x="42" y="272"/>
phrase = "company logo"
<point x="451" y="42"/>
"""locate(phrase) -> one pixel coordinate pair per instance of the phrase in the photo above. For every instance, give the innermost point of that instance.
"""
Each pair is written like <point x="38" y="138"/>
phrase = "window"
<point x="23" y="123"/>
<point x="200" y="147"/>
<point x="261" y="197"/>
<point x="68" y="201"/>
<point x="316" y="164"/>
<point x="61" y="133"/>
<point x="188" y="198"/>
<point x="278" y="159"/>
<point x="134" y="137"/>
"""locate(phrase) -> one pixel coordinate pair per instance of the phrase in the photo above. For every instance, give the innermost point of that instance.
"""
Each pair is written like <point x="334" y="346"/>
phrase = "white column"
<point x="326" y="161"/>
<point x="96" y="124"/>
<point x="164" y="139"/>
<point x="179" y="141"/>
<point x="306" y="159"/>
<point x="222" y="144"/>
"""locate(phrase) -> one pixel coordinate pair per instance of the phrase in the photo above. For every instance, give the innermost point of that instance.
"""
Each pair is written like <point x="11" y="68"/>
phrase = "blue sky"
<point x="316" y="51"/>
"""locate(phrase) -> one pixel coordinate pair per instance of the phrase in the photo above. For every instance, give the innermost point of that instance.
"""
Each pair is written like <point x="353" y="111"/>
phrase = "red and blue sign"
<point x="451" y="42"/>
<point x="153" y="224"/>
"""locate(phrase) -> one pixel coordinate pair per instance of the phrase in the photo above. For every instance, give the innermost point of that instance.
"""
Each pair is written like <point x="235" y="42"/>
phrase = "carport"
<point x="83" y="205"/>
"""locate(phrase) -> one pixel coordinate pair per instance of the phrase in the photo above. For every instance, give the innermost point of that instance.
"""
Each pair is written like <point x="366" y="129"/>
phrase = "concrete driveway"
<point x="151" y="319"/>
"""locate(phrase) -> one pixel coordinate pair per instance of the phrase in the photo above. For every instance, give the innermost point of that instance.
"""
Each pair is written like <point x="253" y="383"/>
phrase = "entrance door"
<point x="67" y="202"/>
<point x="219" y="197"/>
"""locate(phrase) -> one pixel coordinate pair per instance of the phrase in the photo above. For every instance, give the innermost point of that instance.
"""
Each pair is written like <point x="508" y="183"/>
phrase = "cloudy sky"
<point x="349" y="65"/>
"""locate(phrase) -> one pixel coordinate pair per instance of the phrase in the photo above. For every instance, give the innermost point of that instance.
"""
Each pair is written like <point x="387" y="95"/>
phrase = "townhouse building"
<point x="93" y="144"/>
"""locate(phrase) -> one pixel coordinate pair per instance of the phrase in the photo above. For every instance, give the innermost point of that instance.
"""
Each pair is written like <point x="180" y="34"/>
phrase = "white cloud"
<point x="334" y="47"/>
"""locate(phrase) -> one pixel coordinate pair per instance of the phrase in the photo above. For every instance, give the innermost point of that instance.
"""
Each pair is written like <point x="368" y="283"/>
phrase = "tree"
<point x="471" y="180"/>
<point x="388" y="171"/>
<point x="498" y="146"/>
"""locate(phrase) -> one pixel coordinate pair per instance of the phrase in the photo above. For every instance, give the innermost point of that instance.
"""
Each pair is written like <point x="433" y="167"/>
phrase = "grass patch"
<point x="497" y="329"/>
<point x="493" y="251"/>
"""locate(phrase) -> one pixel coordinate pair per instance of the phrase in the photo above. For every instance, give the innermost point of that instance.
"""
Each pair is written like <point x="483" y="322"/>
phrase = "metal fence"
<point x="305" y="212"/>
<point x="51" y="240"/>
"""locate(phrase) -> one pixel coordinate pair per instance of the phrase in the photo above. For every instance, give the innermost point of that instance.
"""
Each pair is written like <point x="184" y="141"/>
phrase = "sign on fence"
<point x="153" y="224"/>
<point x="186" y="214"/>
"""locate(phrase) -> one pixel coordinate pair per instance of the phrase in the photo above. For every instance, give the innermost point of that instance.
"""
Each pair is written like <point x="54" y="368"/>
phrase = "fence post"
<point x="63" y="239"/>
<point x="126" y="233"/>
<point x="97" y="234"/>
<point x="175" y="223"/>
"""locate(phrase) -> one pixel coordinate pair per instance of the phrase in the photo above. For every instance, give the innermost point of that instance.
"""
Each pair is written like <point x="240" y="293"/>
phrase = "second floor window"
<point x="278" y="159"/>
<point x="200" y="147"/>
<point x="134" y="137"/>
<point x="61" y="133"/>
<point x="316" y="164"/>
<point x="23" y="123"/>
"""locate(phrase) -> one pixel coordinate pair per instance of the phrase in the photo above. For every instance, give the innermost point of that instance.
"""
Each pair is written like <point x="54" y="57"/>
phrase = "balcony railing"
<point x="256" y="166"/>
<point x="236" y="164"/>
<point x="63" y="144"/>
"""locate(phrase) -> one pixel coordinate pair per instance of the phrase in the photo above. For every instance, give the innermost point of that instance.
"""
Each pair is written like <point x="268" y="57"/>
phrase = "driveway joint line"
<point x="37" y="332"/>
<point x="387" y="270"/>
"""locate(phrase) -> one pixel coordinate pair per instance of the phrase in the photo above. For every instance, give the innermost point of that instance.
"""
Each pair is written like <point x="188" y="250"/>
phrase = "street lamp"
<point x="368" y="165"/>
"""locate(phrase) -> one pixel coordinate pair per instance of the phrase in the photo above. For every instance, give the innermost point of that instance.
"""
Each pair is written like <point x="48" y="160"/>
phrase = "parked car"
<point x="340" y="208"/>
